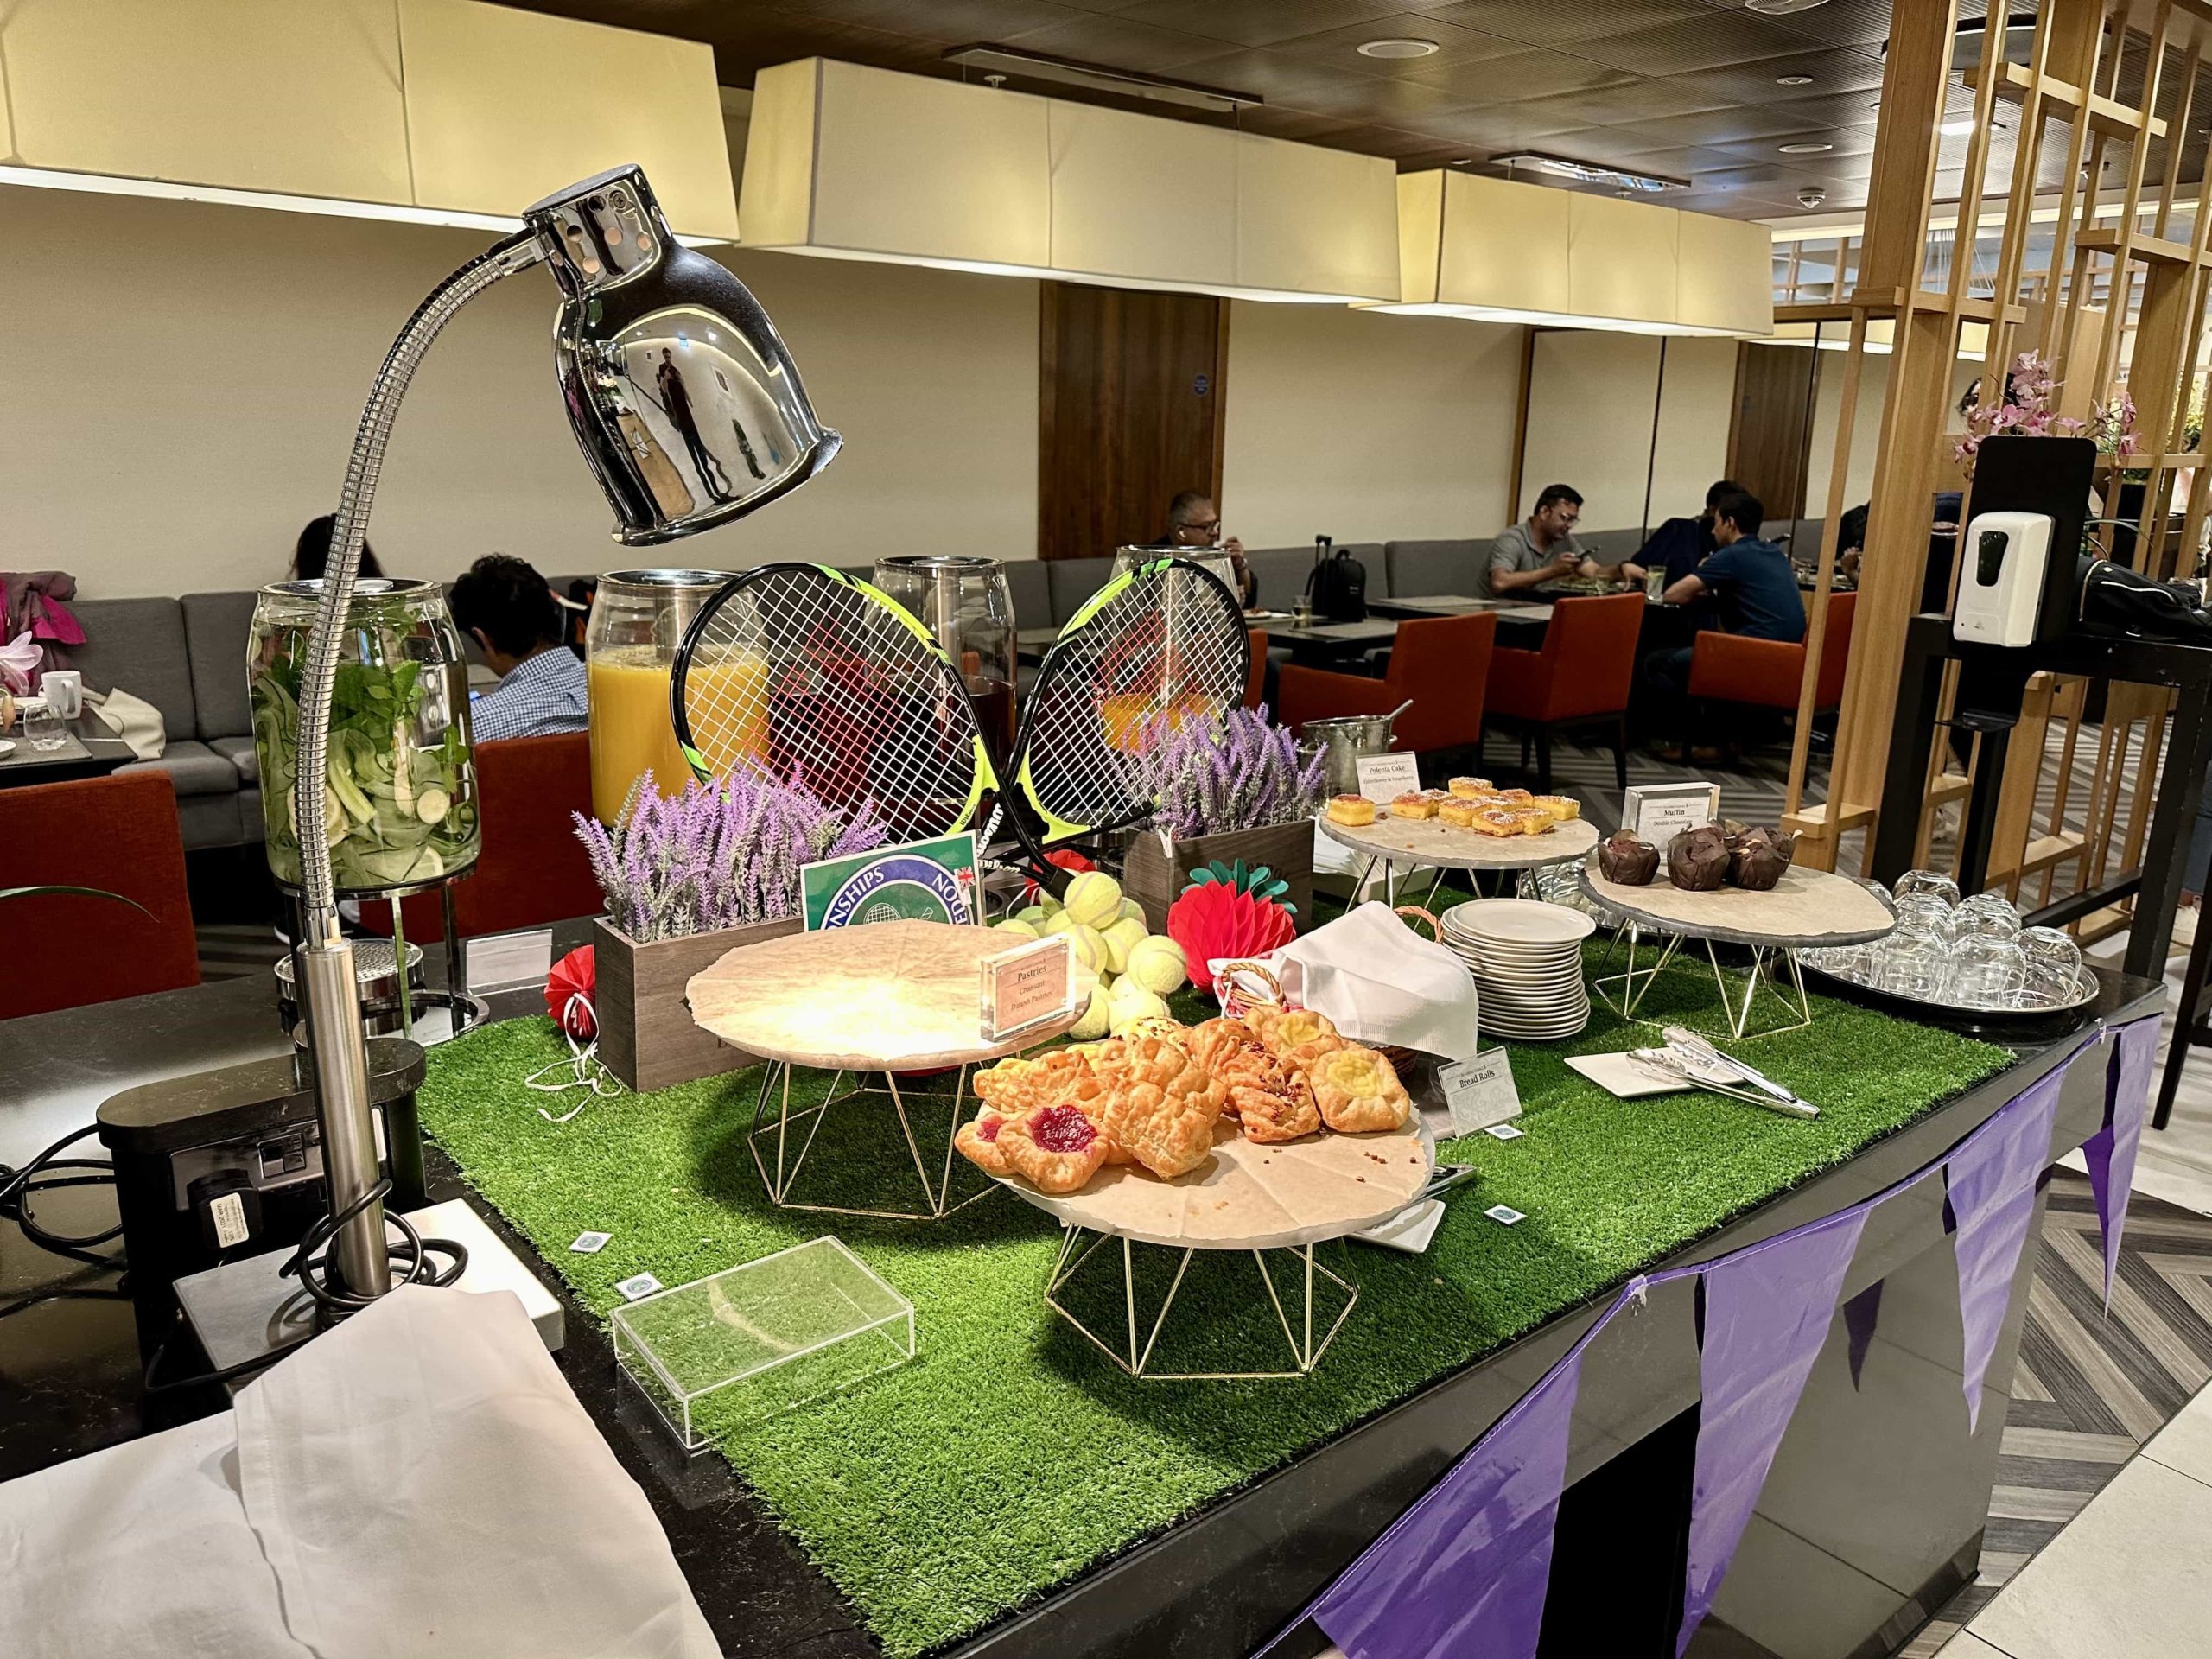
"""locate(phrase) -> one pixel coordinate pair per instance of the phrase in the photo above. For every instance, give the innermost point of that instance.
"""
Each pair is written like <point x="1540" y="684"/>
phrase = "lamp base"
<point x="244" y="1311"/>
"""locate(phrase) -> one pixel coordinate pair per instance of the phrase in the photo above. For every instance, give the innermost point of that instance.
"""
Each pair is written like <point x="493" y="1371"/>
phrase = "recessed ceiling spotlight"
<point x="1792" y="80"/>
<point x="1398" y="45"/>
<point x="1804" y="149"/>
<point x="1463" y="160"/>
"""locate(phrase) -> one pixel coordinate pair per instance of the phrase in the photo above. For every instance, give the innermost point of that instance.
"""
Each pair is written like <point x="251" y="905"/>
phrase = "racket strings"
<point x="800" y="676"/>
<point x="1169" y="648"/>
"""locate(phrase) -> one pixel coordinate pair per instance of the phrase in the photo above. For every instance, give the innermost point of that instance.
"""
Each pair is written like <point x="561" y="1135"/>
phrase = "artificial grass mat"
<point x="1010" y="1454"/>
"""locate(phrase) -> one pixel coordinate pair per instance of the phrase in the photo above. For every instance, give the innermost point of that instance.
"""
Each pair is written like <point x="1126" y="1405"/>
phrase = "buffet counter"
<point x="1011" y="1492"/>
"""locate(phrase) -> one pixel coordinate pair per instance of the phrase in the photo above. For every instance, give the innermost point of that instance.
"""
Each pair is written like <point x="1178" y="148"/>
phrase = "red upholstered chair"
<point x="117" y="834"/>
<point x="1441" y="664"/>
<point x="1767" y="673"/>
<point x="1580" y="678"/>
<point x="532" y="869"/>
<point x="1255" y="670"/>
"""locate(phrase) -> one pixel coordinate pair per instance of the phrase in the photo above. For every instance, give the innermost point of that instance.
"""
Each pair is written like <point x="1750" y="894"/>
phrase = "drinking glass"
<point x="44" y="728"/>
<point x="1932" y="883"/>
<point x="1987" y="972"/>
<point x="1989" y="915"/>
<point x="1924" y="912"/>
<point x="2053" y="966"/>
<point x="1913" y="964"/>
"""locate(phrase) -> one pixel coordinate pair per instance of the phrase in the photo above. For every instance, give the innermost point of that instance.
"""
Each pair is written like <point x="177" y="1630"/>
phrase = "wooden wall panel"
<point x="1772" y="420"/>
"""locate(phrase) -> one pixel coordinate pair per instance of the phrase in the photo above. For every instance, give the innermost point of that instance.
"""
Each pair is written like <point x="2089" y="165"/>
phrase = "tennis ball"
<point x="1120" y="937"/>
<point x="1090" y="948"/>
<point x="1157" y="963"/>
<point x="1094" y="899"/>
<point x="1016" y="925"/>
<point x="1058" y="922"/>
<point x="1098" y="1017"/>
<point x="1132" y="910"/>
<point x="1139" y="1005"/>
<point x="1033" y="914"/>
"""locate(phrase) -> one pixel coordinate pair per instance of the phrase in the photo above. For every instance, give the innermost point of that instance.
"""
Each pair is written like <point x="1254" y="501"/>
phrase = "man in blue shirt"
<point x="505" y="605"/>
<point x="1747" y="585"/>
<point x="1680" y="545"/>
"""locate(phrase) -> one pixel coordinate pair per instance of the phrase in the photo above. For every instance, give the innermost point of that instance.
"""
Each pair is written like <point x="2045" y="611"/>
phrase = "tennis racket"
<point x="800" y="673"/>
<point x="1157" y="648"/>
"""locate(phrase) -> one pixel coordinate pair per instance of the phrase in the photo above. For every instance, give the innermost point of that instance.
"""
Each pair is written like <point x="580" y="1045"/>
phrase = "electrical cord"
<point x="42" y="1174"/>
<point x="308" y="1263"/>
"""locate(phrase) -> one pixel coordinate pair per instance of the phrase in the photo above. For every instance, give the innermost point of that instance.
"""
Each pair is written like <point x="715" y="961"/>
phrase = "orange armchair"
<point x="532" y="870"/>
<point x="1768" y="673"/>
<point x="1441" y="664"/>
<point x="1580" y="678"/>
<point x="119" y="834"/>
<point x="1255" y="667"/>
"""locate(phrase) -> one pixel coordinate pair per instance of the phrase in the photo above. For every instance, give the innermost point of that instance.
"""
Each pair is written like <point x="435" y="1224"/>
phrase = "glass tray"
<point x="759" y="1339"/>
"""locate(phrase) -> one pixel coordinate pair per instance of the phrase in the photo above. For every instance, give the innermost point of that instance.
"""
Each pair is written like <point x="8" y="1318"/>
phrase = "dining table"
<point x="88" y="749"/>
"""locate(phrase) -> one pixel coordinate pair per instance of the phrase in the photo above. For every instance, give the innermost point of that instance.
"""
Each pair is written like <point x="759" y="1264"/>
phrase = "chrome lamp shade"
<point x="685" y="402"/>
<point x="691" y="414"/>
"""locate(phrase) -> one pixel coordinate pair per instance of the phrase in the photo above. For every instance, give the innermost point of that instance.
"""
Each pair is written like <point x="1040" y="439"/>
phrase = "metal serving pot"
<point x="1341" y="739"/>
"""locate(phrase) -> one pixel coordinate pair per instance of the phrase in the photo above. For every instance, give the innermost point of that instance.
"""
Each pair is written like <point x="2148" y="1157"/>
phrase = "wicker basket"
<point x="1237" y="1000"/>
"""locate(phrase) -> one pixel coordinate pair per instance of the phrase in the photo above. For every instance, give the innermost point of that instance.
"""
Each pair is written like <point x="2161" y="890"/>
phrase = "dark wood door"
<point x="1773" y="421"/>
<point x="1129" y="413"/>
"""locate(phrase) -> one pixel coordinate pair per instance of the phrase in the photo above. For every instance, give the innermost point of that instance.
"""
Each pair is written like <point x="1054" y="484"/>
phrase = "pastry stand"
<point x="1272" y="1201"/>
<point x="889" y="999"/>
<point x="1807" y="908"/>
<point x="1391" y="841"/>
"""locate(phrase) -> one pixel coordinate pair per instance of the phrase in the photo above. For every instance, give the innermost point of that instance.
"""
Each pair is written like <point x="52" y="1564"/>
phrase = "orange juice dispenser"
<point x="638" y="620"/>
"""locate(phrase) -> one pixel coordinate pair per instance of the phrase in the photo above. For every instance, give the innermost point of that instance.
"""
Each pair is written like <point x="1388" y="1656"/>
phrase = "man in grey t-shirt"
<point x="1543" y="548"/>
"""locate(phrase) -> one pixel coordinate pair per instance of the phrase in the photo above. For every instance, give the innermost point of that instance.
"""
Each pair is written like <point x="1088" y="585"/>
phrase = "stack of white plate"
<point x="1526" y="957"/>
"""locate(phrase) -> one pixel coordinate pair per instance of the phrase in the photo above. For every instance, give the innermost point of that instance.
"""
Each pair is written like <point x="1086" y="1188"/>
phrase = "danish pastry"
<point x="1272" y="1102"/>
<point x="1358" y="1092"/>
<point x="1056" y="1148"/>
<point x="1353" y="809"/>
<point x="1281" y="1030"/>
<point x="1162" y="1105"/>
<point x="978" y="1142"/>
<point x="1412" y="804"/>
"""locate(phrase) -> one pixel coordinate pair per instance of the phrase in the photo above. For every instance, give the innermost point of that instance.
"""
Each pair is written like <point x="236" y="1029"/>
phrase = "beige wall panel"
<point x="1591" y="399"/>
<point x="179" y="446"/>
<point x="1724" y="274"/>
<point x="1137" y="197"/>
<point x="902" y="164"/>
<point x="249" y="94"/>
<point x="1621" y="258"/>
<point x="1697" y="396"/>
<point x="1421" y="235"/>
<point x="1365" y="427"/>
<point x="1312" y="220"/>
<point x="1506" y="244"/>
<point x="506" y="106"/>
<point x="1865" y="430"/>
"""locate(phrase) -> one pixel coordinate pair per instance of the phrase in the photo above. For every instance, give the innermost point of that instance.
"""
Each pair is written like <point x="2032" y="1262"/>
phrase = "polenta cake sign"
<point x="922" y="881"/>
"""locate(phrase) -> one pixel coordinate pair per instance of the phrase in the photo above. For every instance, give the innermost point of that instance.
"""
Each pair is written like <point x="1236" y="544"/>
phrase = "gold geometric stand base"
<point x="1135" y="1357"/>
<point x="790" y="1159"/>
<point x="1739" y="989"/>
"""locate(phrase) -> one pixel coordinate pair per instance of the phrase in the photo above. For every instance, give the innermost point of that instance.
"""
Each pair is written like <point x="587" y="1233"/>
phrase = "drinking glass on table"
<point x="1301" y="611"/>
<point x="45" y="729"/>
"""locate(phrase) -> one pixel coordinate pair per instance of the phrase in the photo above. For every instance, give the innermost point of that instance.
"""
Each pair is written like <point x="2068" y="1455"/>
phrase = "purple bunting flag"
<point x="1465" y="1570"/>
<point x="2110" y="1153"/>
<point x="1767" y="1313"/>
<point x="1992" y="1190"/>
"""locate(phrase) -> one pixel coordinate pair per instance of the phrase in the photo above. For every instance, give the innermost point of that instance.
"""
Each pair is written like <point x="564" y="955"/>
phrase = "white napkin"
<point x="1381" y="983"/>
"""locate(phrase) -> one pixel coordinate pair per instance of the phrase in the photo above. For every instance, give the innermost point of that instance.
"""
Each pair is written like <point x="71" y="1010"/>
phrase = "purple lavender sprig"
<point x="716" y="855"/>
<point x="1242" y="774"/>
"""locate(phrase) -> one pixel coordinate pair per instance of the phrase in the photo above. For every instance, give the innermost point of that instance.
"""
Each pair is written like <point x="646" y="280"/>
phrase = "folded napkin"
<point x="1381" y="983"/>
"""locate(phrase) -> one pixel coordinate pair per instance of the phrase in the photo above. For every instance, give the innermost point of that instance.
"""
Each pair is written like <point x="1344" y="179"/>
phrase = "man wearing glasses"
<point x="1193" y="521"/>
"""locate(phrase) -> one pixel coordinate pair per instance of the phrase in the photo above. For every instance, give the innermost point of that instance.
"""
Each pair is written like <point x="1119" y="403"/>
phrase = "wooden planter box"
<point x="647" y="1036"/>
<point x="1154" y="878"/>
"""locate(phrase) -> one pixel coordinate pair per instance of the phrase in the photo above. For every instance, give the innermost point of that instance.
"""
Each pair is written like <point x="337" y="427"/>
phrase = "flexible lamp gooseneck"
<point x="690" y="412"/>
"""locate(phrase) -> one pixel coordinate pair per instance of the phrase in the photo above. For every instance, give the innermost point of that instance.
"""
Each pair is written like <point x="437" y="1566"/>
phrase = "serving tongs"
<point x="1688" y="1058"/>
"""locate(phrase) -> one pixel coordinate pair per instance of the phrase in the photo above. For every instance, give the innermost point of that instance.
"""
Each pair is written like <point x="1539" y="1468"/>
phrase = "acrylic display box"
<point x="759" y="1339"/>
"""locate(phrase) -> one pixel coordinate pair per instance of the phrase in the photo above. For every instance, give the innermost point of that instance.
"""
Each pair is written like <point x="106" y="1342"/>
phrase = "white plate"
<point x="7" y="746"/>
<point x="1525" y="921"/>
<point x="1618" y="1075"/>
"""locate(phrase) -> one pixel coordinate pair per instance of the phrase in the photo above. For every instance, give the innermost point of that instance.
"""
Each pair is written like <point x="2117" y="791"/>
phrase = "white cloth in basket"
<point x="1381" y="984"/>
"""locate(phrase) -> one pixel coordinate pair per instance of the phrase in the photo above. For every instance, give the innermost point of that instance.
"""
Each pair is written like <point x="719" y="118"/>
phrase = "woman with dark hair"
<point x="312" y="555"/>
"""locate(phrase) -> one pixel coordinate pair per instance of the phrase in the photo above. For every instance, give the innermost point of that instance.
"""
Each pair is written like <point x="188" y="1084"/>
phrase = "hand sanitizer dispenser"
<point x="2001" y="584"/>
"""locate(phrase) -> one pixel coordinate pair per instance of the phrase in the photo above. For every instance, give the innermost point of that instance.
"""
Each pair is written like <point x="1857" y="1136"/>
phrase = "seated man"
<point x="513" y="615"/>
<point x="1194" y="521"/>
<point x="1543" y="548"/>
<point x="1748" y="585"/>
<point x="1680" y="545"/>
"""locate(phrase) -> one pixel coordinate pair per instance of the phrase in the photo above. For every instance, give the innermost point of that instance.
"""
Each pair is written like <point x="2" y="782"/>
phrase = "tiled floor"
<point x="2130" y="1577"/>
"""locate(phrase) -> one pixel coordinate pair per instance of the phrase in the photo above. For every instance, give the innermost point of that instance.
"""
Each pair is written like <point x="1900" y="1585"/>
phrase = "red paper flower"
<point x="1214" y="922"/>
<point x="572" y="991"/>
